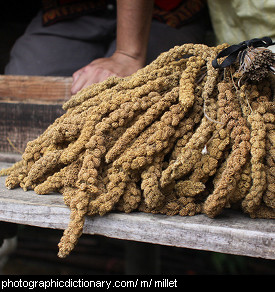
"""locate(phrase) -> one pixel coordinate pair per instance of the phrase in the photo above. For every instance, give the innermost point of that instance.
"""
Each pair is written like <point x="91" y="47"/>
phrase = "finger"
<point x="78" y="84"/>
<point x="76" y="74"/>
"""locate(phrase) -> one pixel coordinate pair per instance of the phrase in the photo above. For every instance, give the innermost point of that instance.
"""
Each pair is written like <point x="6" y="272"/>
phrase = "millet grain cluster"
<point x="176" y="137"/>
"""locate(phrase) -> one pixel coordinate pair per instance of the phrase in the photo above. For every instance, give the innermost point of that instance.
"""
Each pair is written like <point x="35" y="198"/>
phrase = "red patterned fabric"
<point x="172" y="12"/>
<point x="180" y="14"/>
<point x="58" y="10"/>
<point x="167" y="5"/>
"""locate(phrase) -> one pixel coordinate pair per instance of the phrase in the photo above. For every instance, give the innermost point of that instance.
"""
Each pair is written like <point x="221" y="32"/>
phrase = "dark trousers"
<point x="64" y="47"/>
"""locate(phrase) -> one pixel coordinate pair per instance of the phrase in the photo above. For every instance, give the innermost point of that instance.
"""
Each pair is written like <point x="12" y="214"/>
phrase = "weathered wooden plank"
<point x="10" y="157"/>
<point x="232" y="233"/>
<point x="39" y="88"/>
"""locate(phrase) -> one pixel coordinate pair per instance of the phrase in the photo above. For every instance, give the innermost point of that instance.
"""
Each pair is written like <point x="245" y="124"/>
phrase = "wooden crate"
<point x="28" y="105"/>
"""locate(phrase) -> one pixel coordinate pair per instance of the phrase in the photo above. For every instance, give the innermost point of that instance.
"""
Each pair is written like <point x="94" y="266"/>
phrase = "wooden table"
<point x="232" y="233"/>
<point x="28" y="104"/>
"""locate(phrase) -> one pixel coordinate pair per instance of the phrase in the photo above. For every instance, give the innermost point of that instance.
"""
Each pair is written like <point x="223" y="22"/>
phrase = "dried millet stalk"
<point x="41" y="167"/>
<point x="269" y="120"/>
<point x="190" y="154"/>
<point x="35" y="147"/>
<point x="243" y="186"/>
<point x="187" y="191"/>
<point x="66" y="177"/>
<point x="145" y="120"/>
<point x="214" y="148"/>
<point x="258" y="175"/>
<point x="209" y="162"/>
<point x="188" y="188"/>
<point x="153" y="197"/>
<point x="15" y="167"/>
<point x="187" y="81"/>
<point x="216" y="201"/>
<point x="188" y="125"/>
<point x="264" y="212"/>
<point x="130" y="199"/>
<point x="180" y="166"/>
<point x="261" y="190"/>
<point x="212" y="78"/>
<point x="269" y="196"/>
<point x="16" y="174"/>
<point x="79" y="208"/>
<point x="152" y="141"/>
<point x="104" y="203"/>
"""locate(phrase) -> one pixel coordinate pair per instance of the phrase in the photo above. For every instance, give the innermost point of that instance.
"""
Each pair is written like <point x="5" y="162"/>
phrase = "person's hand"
<point x="119" y="64"/>
<point x="132" y="35"/>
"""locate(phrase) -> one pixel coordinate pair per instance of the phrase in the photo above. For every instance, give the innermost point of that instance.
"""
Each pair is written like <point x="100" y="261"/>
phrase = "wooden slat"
<point x="232" y="233"/>
<point x="38" y="88"/>
<point x="9" y="157"/>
